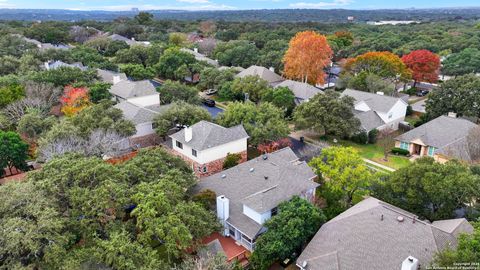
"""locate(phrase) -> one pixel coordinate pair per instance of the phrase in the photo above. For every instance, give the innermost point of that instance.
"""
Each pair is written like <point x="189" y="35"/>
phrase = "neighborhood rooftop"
<point x="376" y="102"/>
<point x="301" y="91"/>
<point x="207" y="135"/>
<point x="130" y="89"/>
<point x="138" y="114"/>
<point x="377" y="236"/>
<point x="261" y="184"/>
<point x="262" y="72"/>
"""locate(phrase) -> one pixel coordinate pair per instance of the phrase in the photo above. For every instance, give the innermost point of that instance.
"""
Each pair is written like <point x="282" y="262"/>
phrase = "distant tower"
<point x="135" y="10"/>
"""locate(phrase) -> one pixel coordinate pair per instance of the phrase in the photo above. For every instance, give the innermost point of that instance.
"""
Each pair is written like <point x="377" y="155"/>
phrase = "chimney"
<point x="133" y="39"/>
<point x="195" y="50"/>
<point x="223" y="211"/>
<point x="272" y="69"/>
<point x="452" y="115"/>
<point x="410" y="263"/>
<point x="188" y="134"/>
<point x="380" y="93"/>
<point x="116" y="79"/>
<point x="47" y="65"/>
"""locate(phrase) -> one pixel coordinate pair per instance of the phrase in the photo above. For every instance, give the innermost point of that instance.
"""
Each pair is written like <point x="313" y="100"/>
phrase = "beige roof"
<point x="131" y="89"/>
<point x="375" y="235"/>
<point x="262" y="72"/>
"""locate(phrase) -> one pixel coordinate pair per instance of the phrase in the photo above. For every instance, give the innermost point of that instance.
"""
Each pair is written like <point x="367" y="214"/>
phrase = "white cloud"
<point x="194" y="1"/>
<point x="206" y="6"/>
<point x="334" y="3"/>
<point x="5" y="4"/>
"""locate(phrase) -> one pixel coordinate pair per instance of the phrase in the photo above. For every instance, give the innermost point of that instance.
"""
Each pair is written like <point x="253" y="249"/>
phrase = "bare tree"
<point x="58" y="147"/>
<point x="386" y="141"/>
<point x="206" y="261"/>
<point x="207" y="46"/>
<point x="467" y="148"/>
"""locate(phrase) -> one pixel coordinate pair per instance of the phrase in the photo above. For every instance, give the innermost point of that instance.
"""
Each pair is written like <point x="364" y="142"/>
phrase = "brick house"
<point x="205" y="146"/>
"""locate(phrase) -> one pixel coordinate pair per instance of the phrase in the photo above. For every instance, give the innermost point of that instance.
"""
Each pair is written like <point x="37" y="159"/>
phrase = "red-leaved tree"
<point x="424" y="65"/>
<point x="74" y="99"/>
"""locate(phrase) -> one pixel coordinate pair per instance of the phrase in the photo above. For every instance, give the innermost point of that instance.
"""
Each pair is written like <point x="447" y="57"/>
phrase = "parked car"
<point x="210" y="92"/>
<point x="422" y="93"/>
<point x="209" y="102"/>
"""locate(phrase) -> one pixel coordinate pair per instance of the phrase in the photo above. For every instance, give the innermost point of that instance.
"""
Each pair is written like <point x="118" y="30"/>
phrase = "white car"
<point x="211" y="91"/>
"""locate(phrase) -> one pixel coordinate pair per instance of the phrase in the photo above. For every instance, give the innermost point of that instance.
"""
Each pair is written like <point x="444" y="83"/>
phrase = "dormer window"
<point x="194" y="152"/>
<point x="179" y="144"/>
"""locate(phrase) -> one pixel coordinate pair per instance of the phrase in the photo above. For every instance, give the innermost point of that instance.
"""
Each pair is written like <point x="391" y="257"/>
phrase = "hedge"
<point x="400" y="151"/>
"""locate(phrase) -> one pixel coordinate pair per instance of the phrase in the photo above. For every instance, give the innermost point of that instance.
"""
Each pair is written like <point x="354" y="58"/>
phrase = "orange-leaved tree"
<point x="74" y="99"/>
<point x="424" y="64"/>
<point x="383" y="64"/>
<point x="307" y="55"/>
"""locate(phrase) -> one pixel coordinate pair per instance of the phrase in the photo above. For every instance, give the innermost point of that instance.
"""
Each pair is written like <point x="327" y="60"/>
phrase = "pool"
<point x="214" y="111"/>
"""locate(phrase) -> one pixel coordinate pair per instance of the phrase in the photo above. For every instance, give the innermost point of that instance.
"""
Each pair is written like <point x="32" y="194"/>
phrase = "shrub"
<point x="231" y="160"/>
<point x="207" y="198"/>
<point x="400" y="151"/>
<point x="373" y="136"/>
<point x="360" y="138"/>
<point x="409" y="110"/>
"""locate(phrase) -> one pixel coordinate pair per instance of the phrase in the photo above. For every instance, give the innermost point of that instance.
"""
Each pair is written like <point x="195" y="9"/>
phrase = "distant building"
<point x="350" y="18"/>
<point x="248" y="194"/>
<point x="205" y="145"/>
<point x="375" y="235"/>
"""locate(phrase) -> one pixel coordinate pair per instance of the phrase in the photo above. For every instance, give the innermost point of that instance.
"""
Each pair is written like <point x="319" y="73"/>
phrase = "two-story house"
<point x="377" y="111"/>
<point x="249" y="194"/>
<point x="205" y="146"/>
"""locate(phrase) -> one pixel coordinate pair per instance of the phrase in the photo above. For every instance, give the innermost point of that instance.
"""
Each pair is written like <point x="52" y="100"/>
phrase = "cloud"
<point x="335" y="3"/>
<point x="5" y="4"/>
<point x="206" y="6"/>
<point x="194" y="1"/>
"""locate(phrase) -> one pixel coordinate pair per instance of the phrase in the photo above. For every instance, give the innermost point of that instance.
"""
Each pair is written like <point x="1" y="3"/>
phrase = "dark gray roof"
<point x="371" y="236"/>
<point x="440" y="133"/>
<point x="108" y="75"/>
<point x="207" y="135"/>
<point x="140" y="115"/>
<point x="379" y="103"/>
<point x="130" y="89"/>
<point x="369" y="120"/>
<point x="419" y="106"/>
<point x="262" y="72"/>
<point x="302" y="91"/>
<point x="246" y="184"/>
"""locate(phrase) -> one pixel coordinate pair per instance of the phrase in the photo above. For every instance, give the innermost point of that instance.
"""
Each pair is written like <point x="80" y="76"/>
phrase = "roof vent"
<point x="224" y="176"/>
<point x="381" y="217"/>
<point x="264" y="157"/>
<point x="252" y="169"/>
<point x="452" y="115"/>
<point x="304" y="264"/>
<point x="266" y="177"/>
<point x="400" y="219"/>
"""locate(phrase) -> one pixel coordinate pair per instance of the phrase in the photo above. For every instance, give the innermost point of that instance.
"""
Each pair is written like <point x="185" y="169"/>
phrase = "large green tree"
<point x="430" y="189"/>
<point x="282" y="97"/>
<point x="253" y="86"/>
<point x="13" y="152"/>
<point x="461" y="63"/>
<point x="297" y="221"/>
<point x="263" y="123"/>
<point x="236" y="53"/>
<point x="327" y="114"/>
<point x="171" y="91"/>
<point x="174" y="62"/>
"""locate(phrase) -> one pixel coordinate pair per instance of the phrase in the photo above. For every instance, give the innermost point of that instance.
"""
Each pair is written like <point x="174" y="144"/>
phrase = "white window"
<point x="405" y="145"/>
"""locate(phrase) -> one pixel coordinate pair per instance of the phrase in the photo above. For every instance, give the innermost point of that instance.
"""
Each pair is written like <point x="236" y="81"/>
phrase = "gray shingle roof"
<point x="201" y="57"/>
<point x="302" y="91"/>
<point x="419" y="106"/>
<point x="445" y="133"/>
<point x="207" y="135"/>
<point x="369" y="120"/>
<point x="107" y="75"/>
<point x="130" y="89"/>
<point x="379" y="103"/>
<point x="246" y="184"/>
<point x="140" y="115"/>
<point x="262" y="72"/>
<point x="370" y="236"/>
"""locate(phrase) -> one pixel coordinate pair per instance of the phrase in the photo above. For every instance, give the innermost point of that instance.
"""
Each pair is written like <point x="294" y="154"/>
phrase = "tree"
<point x="327" y="114"/>
<point x="236" y="53"/>
<point x="172" y="91"/>
<point x="144" y="18"/>
<point x="431" y="190"/>
<point x="386" y="141"/>
<point x="141" y="55"/>
<point x="254" y="86"/>
<point x="74" y="100"/>
<point x="207" y="46"/>
<point x="461" y="63"/>
<point x="209" y="262"/>
<point x="424" y="65"/>
<point x="272" y="53"/>
<point x="180" y="113"/>
<point x="263" y="122"/>
<point x="34" y="124"/>
<point x="11" y="93"/>
<point x="177" y="39"/>
<point x="465" y="252"/>
<point x="13" y="152"/>
<point x="28" y="63"/>
<point x="99" y="91"/>
<point x="9" y="64"/>
<point x="344" y="176"/>
<point x="208" y="27"/>
<point x="137" y="72"/>
<point x="458" y="95"/>
<point x="307" y="55"/>
<point x="48" y="32"/>
<point x="282" y="97"/>
<point x="214" y="78"/>
<point x="172" y="60"/>
<point x="231" y="160"/>
<point x="297" y="221"/>
<point x="63" y="76"/>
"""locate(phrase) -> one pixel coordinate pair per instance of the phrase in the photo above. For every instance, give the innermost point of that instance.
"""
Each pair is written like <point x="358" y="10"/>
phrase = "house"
<point x="200" y="57"/>
<point x="205" y="146"/>
<point x="375" y="235"/>
<point x="111" y="77"/>
<point x="50" y="65"/>
<point x="442" y="138"/>
<point x="377" y="111"/>
<point x="268" y="75"/>
<point x="44" y="46"/>
<point x="302" y="91"/>
<point x="249" y="194"/>
<point x="124" y="90"/>
<point x="130" y="42"/>
<point x="142" y="115"/>
<point x="332" y="73"/>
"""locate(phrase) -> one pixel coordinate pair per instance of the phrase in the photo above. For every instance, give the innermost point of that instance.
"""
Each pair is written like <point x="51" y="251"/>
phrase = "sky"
<point x="121" y="5"/>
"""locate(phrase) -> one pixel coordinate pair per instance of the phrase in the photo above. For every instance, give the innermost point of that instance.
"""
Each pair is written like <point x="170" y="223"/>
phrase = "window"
<point x="179" y="144"/>
<point x="404" y="145"/>
<point x="204" y="169"/>
<point x="431" y="150"/>
<point x="194" y="152"/>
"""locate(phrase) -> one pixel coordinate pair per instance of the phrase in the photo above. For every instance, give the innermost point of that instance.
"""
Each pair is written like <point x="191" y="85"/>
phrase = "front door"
<point x="417" y="149"/>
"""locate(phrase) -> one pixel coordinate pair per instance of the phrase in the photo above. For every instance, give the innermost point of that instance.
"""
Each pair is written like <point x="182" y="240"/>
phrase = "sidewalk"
<point x="378" y="165"/>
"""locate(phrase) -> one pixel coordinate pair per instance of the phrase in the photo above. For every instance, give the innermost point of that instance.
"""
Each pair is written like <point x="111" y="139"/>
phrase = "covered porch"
<point x="233" y="250"/>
